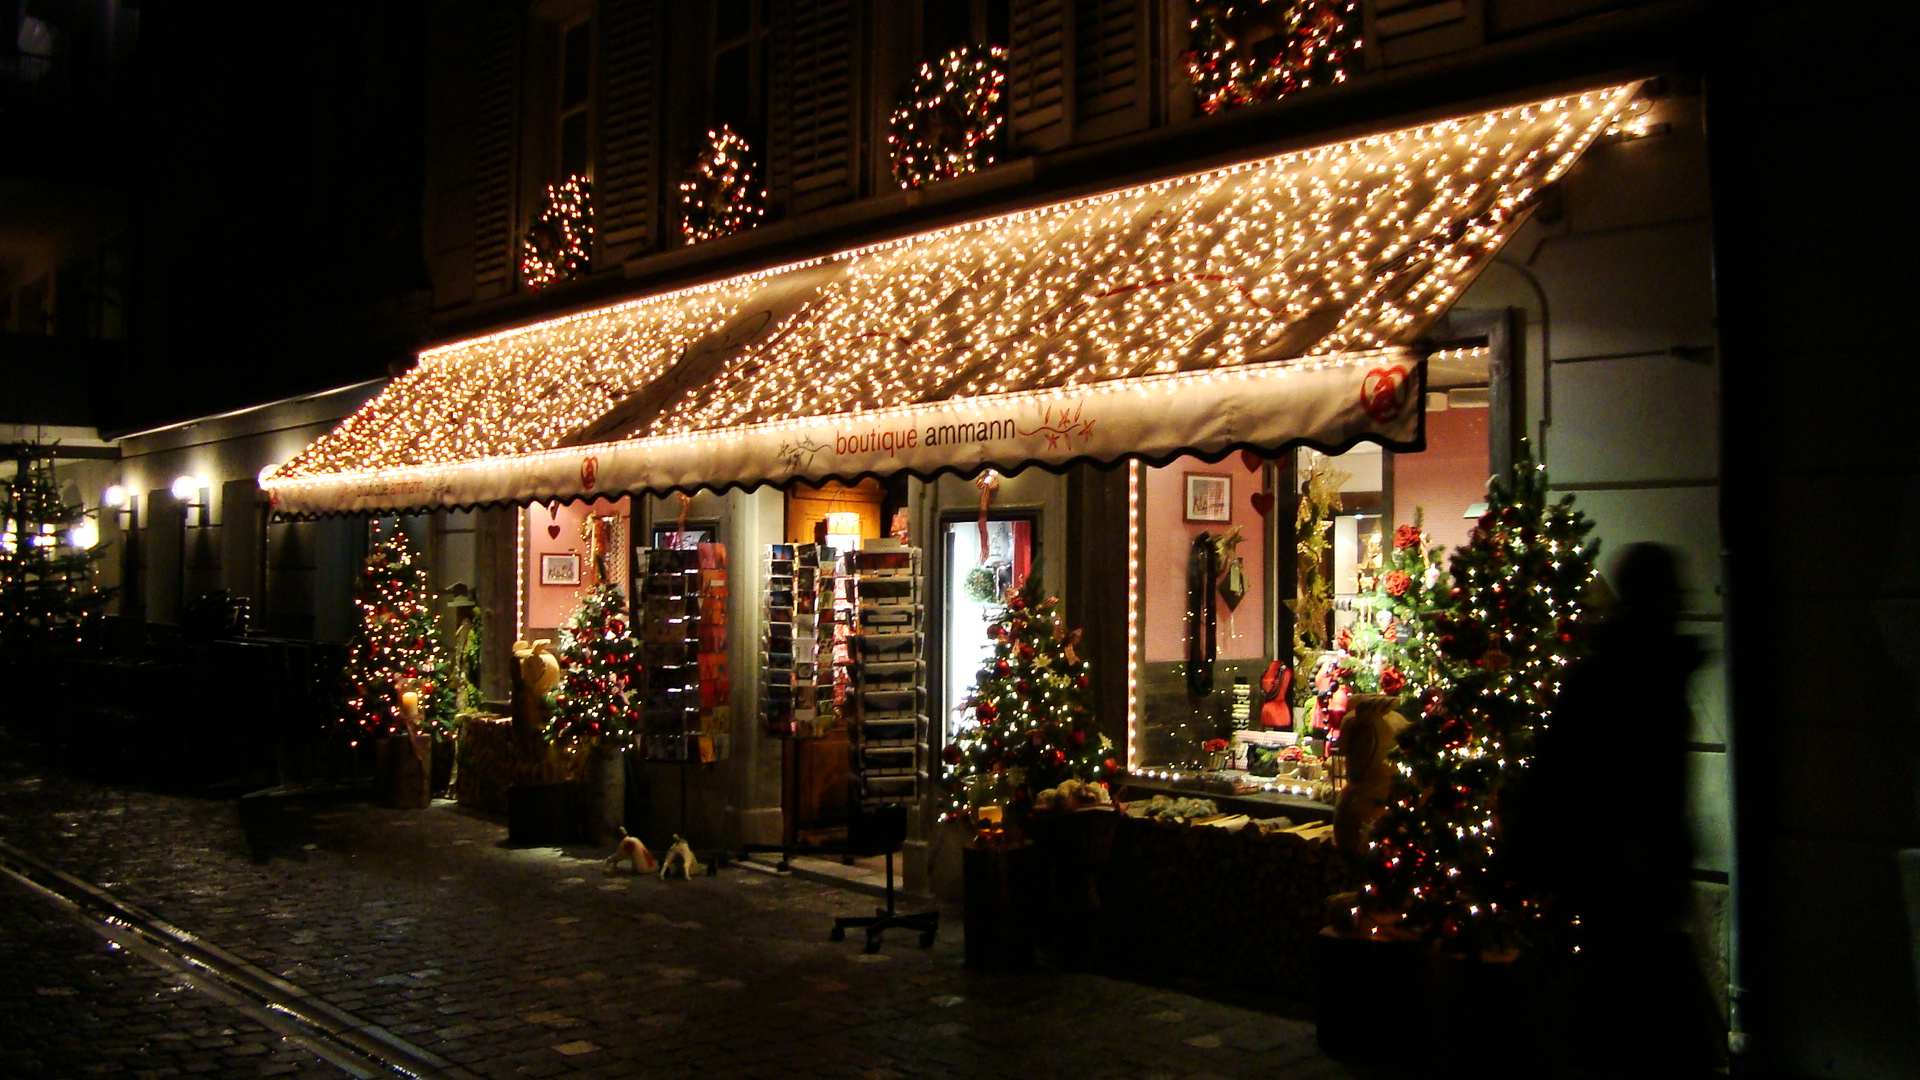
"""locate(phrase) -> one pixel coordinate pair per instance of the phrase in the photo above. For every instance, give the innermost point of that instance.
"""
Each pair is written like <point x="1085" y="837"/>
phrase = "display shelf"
<point x="682" y="608"/>
<point x="884" y="698"/>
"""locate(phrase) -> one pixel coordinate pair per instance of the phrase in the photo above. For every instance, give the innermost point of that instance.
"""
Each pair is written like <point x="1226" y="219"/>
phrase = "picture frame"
<point x="559" y="568"/>
<point x="1209" y="497"/>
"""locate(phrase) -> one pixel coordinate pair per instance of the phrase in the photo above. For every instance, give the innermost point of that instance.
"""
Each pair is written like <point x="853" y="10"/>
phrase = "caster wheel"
<point x="926" y="940"/>
<point x="837" y="934"/>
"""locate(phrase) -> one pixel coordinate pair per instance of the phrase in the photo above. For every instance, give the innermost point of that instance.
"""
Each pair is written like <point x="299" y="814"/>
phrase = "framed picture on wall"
<point x="560" y="569"/>
<point x="1209" y="497"/>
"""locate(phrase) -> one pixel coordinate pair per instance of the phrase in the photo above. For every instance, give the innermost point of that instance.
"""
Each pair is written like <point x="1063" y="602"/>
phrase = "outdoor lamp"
<point x="191" y="491"/>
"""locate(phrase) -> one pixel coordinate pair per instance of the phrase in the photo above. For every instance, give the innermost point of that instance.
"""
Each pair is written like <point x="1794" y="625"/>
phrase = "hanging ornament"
<point x="951" y="117"/>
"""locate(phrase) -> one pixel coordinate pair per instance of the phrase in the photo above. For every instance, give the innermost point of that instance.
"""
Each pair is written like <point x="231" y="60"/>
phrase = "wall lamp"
<point x="193" y="493"/>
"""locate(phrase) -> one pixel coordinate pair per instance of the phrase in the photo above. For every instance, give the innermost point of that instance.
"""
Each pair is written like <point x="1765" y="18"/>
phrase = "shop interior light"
<point x="265" y="471"/>
<point x="114" y="497"/>
<point x="84" y="535"/>
<point x="187" y="488"/>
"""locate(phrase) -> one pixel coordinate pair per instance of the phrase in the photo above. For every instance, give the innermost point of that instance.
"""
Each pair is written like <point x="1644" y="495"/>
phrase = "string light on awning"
<point x="1334" y="250"/>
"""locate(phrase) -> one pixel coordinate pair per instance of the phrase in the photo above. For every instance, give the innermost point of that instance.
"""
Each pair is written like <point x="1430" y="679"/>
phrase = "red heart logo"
<point x="1383" y="392"/>
<point x="1263" y="502"/>
<point x="589" y="472"/>
<point x="553" y="531"/>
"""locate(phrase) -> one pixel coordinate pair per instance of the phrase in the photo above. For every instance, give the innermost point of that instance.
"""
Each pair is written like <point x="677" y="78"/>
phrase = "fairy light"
<point x="1133" y="613"/>
<point x="947" y="122"/>
<point x="559" y="245"/>
<point x="1317" y="255"/>
<point x="718" y="196"/>
<point x="519" y="573"/>
<point x="1257" y="50"/>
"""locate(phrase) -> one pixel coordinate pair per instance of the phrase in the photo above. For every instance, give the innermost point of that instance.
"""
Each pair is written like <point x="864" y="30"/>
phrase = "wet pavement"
<point x="422" y="931"/>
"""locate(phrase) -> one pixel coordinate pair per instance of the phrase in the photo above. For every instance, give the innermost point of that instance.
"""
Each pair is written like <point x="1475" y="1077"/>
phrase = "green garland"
<point x="950" y="119"/>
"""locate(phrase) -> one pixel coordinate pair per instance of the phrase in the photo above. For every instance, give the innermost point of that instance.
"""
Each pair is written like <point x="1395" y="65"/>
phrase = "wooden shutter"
<point x="1110" y="79"/>
<point x="813" y="152"/>
<point x="1037" y="106"/>
<point x="625" y="189"/>
<point x="495" y="135"/>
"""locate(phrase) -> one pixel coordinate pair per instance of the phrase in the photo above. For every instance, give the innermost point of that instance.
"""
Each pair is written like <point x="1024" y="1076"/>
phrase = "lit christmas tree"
<point x="46" y="561"/>
<point x="1244" y="51"/>
<point x="1515" y="617"/>
<point x="1394" y="651"/>
<point x="718" y="196"/>
<point x="559" y="245"/>
<point x="951" y="115"/>
<point x="1029" y="725"/>
<point x="600" y="661"/>
<point x="397" y="651"/>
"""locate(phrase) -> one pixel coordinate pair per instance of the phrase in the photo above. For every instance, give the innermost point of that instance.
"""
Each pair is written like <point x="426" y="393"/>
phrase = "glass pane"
<point x="573" y="144"/>
<point x="732" y="19"/>
<point x="730" y="90"/>
<point x="969" y="579"/>
<point x="574" y="66"/>
<point x="944" y="24"/>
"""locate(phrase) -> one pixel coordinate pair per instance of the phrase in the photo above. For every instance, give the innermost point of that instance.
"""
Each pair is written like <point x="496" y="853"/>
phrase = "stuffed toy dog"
<point x="633" y="851"/>
<point x="680" y="858"/>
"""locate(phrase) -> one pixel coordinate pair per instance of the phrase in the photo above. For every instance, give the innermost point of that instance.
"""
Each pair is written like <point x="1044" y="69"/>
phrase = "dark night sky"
<point x="273" y="172"/>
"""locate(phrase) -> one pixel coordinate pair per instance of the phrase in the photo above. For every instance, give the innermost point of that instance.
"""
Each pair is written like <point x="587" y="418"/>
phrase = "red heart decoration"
<point x="553" y="531"/>
<point x="1251" y="460"/>
<point x="1263" y="502"/>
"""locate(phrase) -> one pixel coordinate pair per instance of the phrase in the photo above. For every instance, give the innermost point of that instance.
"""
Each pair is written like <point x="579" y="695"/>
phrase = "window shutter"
<point x="1110" y="80"/>
<point x="496" y="101"/>
<point x="1037" y="105"/>
<point x="812" y="125"/>
<point x="625" y="190"/>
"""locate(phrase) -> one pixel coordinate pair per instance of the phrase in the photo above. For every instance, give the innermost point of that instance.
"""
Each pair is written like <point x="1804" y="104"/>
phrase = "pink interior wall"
<point x="551" y="532"/>
<point x="1168" y="540"/>
<point x="1448" y="477"/>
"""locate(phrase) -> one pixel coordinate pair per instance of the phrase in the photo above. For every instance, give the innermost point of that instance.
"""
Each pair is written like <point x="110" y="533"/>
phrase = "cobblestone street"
<point x="534" y="962"/>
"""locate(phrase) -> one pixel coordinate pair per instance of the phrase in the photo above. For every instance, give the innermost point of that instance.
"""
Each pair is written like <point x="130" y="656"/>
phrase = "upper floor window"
<point x="576" y="69"/>
<point x="739" y="67"/>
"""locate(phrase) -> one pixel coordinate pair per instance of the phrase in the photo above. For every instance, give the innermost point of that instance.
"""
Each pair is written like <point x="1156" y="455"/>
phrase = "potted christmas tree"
<point x="395" y="694"/>
<point x="1027" y="756"/>
<point x="592" y="710"/>
<point x="1515" y="616"/>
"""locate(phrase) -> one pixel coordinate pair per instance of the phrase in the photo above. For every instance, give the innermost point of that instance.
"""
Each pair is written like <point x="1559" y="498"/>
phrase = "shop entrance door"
<point x="972" y="595"/>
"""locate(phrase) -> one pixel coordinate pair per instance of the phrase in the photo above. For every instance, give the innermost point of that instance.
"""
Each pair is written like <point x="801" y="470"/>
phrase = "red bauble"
<point x="1057" y="757"/>
<point x="1026" y="652"/>
<point x="1082" y="682"/>
<point x="985" y="711"/>
<point x="951" y="754"/>
<point x="1078" y="738"/>
<point x="1001" y="667"/>
<point x="1018" y="603"/>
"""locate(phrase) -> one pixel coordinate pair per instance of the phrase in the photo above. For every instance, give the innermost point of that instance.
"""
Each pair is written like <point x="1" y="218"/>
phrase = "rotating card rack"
<point x="796" y="660"/>
<point x="885" y="709"/>
<point x="885" y="701"/>
<point x="686" y="717"/>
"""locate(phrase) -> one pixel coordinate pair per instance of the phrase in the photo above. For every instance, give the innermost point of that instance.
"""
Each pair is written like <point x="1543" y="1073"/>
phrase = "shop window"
<point x="1210" y="652"/>
<point x="568" y="549"/>
<point x="971" y="592"/>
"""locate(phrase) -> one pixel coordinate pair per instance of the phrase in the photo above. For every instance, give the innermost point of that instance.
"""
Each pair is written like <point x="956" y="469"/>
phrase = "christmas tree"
<point x="1393" y="650"/>
<point x="46" y="560"/>
<point x="1028" y="725"/>
<point x="600" y="661"/>
<point x="394" y="680"/>
<point x="1515" y="616"/>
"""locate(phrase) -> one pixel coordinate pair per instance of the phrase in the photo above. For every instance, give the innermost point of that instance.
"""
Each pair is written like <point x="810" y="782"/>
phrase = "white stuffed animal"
<point x="633" y="851"/>
<point x="680" y="856"/>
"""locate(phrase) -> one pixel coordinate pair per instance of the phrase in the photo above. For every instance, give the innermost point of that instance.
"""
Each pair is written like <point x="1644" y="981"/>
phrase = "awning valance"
<point x="1268" y="303"/>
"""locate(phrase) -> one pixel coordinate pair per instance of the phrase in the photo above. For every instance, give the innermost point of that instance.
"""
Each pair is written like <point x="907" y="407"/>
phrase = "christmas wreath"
<point x="718" y="196"/>
<point x="559" y="246"/>
<point x="1243" y="51"/>
<point x="950" y="119"/>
